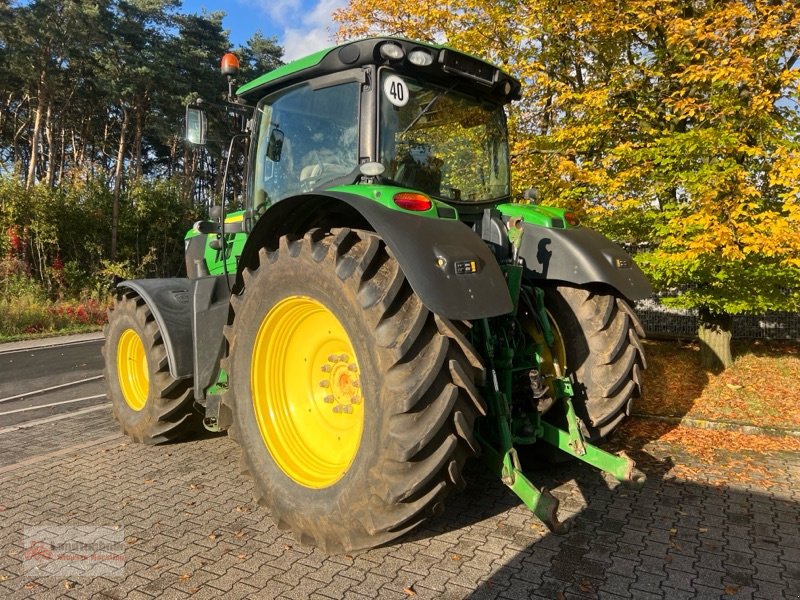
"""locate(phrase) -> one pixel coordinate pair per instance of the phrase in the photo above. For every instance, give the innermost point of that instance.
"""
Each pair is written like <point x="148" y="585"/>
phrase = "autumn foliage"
<point x="672" y="126"/>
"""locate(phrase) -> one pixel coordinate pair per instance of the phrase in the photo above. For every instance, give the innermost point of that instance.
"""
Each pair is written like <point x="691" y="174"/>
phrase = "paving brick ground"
<point x="191" y="528"/>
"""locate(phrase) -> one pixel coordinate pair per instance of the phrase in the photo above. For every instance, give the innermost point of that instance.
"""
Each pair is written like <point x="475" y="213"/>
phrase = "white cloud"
<point x="279" y="11"/>
<point x="306" y="29"/>
<point x="298" y="43"/>
<point x="313" y="32"/>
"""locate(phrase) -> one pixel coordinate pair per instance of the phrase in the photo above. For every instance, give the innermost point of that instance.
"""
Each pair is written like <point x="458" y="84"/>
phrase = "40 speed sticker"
<point x="395" y="90"/>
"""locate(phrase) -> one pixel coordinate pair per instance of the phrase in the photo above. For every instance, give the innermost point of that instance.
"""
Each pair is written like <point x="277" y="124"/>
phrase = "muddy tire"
<point x="150" y="406"/>
<point x="353" y="404"/>
<point x="604" y="356"/>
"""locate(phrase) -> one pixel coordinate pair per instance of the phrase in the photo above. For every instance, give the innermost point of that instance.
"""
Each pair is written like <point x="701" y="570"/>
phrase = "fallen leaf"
<point x="213" y="536"/>
<point x="456" y="557"/>
<point x="585" y="585"/>
<point x="730" y="590"/>
<point x="409" y="590"/>
<point x="184" y="576"/>
<point x="149" y="480"/>
<point x="68" y="585"/>
<point x="239" y="533"/>
<point x="5" y="577"/>
<point x="703" y="529"/>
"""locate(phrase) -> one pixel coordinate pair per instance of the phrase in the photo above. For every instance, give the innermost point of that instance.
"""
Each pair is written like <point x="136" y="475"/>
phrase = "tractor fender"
<point x="581" y="256"/>
<point x="448" y="265"/>
<point x="170" y="301"/>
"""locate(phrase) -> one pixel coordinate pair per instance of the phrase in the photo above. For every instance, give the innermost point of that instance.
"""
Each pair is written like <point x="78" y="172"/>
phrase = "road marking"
<point x="19" y="410"/>
<point x="50" y="389"/>
<point x="35" y="422"/>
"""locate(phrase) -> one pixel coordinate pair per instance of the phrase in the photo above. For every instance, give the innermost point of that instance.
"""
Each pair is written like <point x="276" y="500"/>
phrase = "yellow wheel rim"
<point x="553" y="360"/>
<point x="132" y="369"/>
<point x="306" y="392"/>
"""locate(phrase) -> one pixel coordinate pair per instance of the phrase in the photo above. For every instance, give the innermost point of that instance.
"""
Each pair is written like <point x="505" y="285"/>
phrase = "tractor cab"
<point x="433" y="118"/>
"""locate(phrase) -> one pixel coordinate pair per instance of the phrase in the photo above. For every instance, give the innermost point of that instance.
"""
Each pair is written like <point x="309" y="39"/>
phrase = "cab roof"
<point x="447" y="66"/>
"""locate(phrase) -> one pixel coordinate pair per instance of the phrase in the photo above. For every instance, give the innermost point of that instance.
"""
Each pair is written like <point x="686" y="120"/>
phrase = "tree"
<point x="673" y="126"/>
<point x="259" y="56"/>
<point x="92" y="98"/>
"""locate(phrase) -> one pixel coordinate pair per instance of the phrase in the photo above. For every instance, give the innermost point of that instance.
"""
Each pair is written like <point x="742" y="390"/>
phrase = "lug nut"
<point x="324" y="383"/>
<point x="352" y="367"/>
<point x="355" y="400"/>
<point x="333" y="358"/>
<point x="343" y="408"/>
<point x="328" y="399"/>
<point x="325" y="368"/>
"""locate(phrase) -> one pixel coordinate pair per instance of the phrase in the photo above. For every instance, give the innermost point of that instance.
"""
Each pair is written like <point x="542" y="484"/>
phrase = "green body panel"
<point x="382" y="194"/>
<point x="535" y="214"/>
<point x="287" y="69"/>
<point x="234" y="243"/>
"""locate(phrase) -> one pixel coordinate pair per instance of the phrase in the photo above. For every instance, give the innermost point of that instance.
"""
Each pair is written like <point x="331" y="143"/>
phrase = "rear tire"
<point x="347" y="454"/>
<point x="150" y="406"/>
<point x="602" y="340"/>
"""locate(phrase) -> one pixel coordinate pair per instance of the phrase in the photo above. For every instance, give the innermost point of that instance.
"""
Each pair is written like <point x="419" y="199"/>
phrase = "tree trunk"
<point x="37" y="131"/>
<point x="138" y="133"/>
<point x="51" y="147"/>
<point x="714" y="331"/>
<point x="61" y="155"/>
<point x="118" y="184"/>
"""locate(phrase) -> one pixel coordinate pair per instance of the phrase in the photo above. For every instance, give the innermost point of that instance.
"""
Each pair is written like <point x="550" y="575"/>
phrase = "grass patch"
<point x="761" y="388"/>
<point x="26" y="317"/>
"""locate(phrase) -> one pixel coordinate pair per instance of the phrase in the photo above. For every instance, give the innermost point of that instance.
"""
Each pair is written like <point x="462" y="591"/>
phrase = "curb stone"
<point x="722" y="425"/>
<point x="50" y="342"/>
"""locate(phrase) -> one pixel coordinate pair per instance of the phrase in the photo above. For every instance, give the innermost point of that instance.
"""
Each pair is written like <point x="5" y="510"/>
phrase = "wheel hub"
<point x="344" y="389"/>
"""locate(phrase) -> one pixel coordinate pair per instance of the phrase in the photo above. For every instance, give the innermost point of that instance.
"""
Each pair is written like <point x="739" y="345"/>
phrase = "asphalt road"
<point x="52" y="380"/>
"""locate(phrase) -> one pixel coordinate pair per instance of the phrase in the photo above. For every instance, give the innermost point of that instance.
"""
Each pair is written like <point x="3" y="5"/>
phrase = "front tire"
<point x="150" y="406"/>
<point x="601" y="338"/>
<point x="353" y="404"/>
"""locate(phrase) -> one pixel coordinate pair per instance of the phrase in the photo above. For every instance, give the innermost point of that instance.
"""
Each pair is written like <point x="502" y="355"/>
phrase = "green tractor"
<point x="381" y="311"/>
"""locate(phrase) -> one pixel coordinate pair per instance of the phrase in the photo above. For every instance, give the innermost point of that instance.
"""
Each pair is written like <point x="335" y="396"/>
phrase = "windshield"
<point x="443" y="143"/>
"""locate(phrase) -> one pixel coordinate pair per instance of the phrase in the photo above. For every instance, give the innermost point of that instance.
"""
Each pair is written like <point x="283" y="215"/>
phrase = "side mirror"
<point x="196" y="125"/>
<point x="275" y="145"/>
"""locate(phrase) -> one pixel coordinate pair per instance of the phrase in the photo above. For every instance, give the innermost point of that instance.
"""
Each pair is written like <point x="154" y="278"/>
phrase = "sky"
<point x="301" y="26"/>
